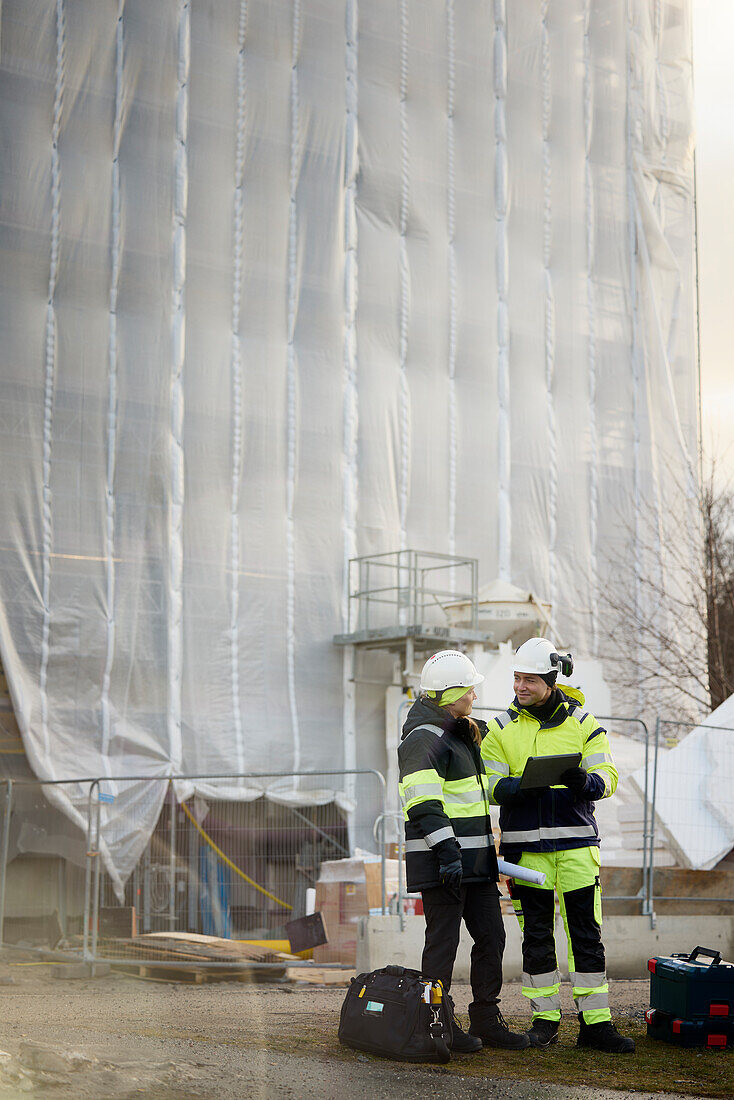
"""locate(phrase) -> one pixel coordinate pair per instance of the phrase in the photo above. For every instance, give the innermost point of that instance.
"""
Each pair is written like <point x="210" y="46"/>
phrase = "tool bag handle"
<point x="715" y="955"/>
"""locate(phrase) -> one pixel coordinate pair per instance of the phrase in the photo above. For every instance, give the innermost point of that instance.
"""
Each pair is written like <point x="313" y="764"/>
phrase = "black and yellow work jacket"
<point x="552" y="818"/>
<point x="445" y="800"/>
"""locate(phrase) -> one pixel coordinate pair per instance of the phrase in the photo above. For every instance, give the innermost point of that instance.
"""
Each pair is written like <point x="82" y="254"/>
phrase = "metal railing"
<point x="28" y="800"/>
<point x="698" y="816"/>
<point x="225" y="867"/>
<point x="410" y="587"/>
<point x="241" y="868"/>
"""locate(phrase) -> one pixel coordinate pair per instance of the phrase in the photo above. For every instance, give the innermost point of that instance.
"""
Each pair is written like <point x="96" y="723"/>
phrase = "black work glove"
<point x="576" y="779"/>
<point x="507" y="792"/>
<point x="450" y="872"/>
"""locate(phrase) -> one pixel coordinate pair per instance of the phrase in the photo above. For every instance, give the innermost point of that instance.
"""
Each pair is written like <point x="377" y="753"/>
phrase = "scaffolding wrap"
<point x="288" y="282"/>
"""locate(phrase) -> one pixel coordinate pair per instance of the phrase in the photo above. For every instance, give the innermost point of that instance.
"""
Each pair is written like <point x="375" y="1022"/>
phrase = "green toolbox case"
<point x="689" y="988"/>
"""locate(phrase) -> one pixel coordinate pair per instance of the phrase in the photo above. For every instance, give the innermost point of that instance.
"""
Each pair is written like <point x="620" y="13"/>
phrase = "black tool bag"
<point x="398" y="1014"/>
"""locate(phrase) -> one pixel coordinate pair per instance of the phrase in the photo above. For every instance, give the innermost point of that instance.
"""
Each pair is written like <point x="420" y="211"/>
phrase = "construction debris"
<point x="190" y="957"/>
<point x="200" y="958"/>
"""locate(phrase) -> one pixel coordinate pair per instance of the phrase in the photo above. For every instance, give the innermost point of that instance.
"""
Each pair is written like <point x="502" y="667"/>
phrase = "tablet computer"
<point x="544" y="771"/>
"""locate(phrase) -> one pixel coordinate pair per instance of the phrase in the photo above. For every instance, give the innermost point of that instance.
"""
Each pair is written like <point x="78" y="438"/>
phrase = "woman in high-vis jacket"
<point x="449" y="848"/>
<point x="554" y="830"/>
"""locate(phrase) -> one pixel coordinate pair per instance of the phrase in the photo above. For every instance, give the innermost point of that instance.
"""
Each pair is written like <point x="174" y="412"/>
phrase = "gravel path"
<point x="118" y="1037"/>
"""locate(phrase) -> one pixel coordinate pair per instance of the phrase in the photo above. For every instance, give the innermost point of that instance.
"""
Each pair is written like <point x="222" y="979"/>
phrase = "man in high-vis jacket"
<point x="554" y="830"/>
<point x="449" y="848"/>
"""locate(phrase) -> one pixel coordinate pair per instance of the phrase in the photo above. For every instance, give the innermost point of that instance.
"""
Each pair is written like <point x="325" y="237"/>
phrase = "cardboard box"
<point x="341" y="904"/>
<point x="347" y="889"/>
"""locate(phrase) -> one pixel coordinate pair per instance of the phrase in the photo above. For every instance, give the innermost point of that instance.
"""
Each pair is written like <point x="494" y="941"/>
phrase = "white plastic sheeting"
<point x="286" y="281"/>
<point x="693" y="794"/>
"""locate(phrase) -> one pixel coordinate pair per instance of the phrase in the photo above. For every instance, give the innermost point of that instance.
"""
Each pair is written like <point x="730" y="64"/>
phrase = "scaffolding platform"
<point x="401" y="599"/>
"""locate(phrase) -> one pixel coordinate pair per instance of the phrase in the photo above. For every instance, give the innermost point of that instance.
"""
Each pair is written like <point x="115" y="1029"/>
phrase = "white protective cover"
<point x="693" y="792"/>
<point x="287" y="281"/>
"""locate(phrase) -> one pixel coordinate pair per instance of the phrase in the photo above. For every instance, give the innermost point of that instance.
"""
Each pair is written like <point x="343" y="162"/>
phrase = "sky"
<point x="713" y="59"/>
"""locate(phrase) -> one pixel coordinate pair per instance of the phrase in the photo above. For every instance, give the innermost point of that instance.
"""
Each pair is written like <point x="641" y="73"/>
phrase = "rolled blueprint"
<point x="524" y="873"/>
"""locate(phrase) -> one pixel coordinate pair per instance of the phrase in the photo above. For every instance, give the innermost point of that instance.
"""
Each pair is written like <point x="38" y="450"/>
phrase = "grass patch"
<point x="654" y="1067"/>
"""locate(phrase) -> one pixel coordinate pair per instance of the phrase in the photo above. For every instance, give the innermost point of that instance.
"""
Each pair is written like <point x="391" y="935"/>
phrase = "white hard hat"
<point x="538" y="656"/>
<point x="448" y="669"/>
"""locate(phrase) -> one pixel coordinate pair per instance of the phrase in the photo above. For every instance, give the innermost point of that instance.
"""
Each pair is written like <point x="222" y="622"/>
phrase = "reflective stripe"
<point x="597" y="758"/>
<point x="416" y="846"/>
<point x="462" y="797"/>
<point x="532" y="836"/>
<point x="546" y="1004"/>
<point x="504" y="719"/>
<point x="591" y="1001"/>
<point x="444" y="834"/>
<point x="497" y="766"/>
<point x="436" y="837"/>
<point x="430" y="728"/>
<point x="582" y="717"/>
<point x="473" y="841"/>
<point x="587" y="981"/>
<point x="422" y="790"/>
<point x="541" y="981"/>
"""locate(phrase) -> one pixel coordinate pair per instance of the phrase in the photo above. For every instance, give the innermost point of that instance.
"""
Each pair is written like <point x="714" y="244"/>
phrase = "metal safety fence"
<point x="240" y="864"/>
<point x="47" y="897"/>
<point x="691" y="792"/>
<point x="235" y="863"/>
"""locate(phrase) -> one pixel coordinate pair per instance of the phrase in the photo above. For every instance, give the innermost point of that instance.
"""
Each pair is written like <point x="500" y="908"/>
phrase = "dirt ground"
<point x="118" y="1037"/>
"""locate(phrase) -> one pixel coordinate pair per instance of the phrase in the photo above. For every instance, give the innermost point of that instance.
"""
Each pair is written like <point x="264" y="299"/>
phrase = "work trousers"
<point x="574" y="875"/>
<point x="478" y="904"/>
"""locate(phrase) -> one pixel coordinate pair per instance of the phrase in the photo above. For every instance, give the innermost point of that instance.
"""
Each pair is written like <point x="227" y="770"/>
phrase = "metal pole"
<point x="651" y="862"/>
<point x="645" y="837"/>
<point x="88" y="876"/>
<point x="4" y="853"/>
<point x="383" y="868"/>
<point x="401" y="913"/>
<point x="172" y="862"/>
<point x="146" y="889"/>
<point x="95" y="877"/>
<point x="475" y="595"/>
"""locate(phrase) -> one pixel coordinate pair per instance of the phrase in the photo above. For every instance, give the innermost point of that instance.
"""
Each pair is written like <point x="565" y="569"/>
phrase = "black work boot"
<point x="493" y="1031"/>
<point x="461" y="1043"/>
<point x="543" y="1032"/>
<point x="604" y="1036"/>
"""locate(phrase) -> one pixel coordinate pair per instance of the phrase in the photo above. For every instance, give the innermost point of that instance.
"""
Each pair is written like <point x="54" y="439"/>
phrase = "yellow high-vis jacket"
<point x="551" y="818"/>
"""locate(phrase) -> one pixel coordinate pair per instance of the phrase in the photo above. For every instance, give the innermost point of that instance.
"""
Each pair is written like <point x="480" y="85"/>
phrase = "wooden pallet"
<point x="193" y="954"/>
<point x="200" y="975"/>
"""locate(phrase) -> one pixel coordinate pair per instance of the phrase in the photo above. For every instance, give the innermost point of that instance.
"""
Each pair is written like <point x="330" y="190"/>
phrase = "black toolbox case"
<point x="691" y="1000"/>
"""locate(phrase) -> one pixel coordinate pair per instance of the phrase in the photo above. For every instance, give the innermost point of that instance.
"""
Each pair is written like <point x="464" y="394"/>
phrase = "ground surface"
<point x="117" y="1037"/>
